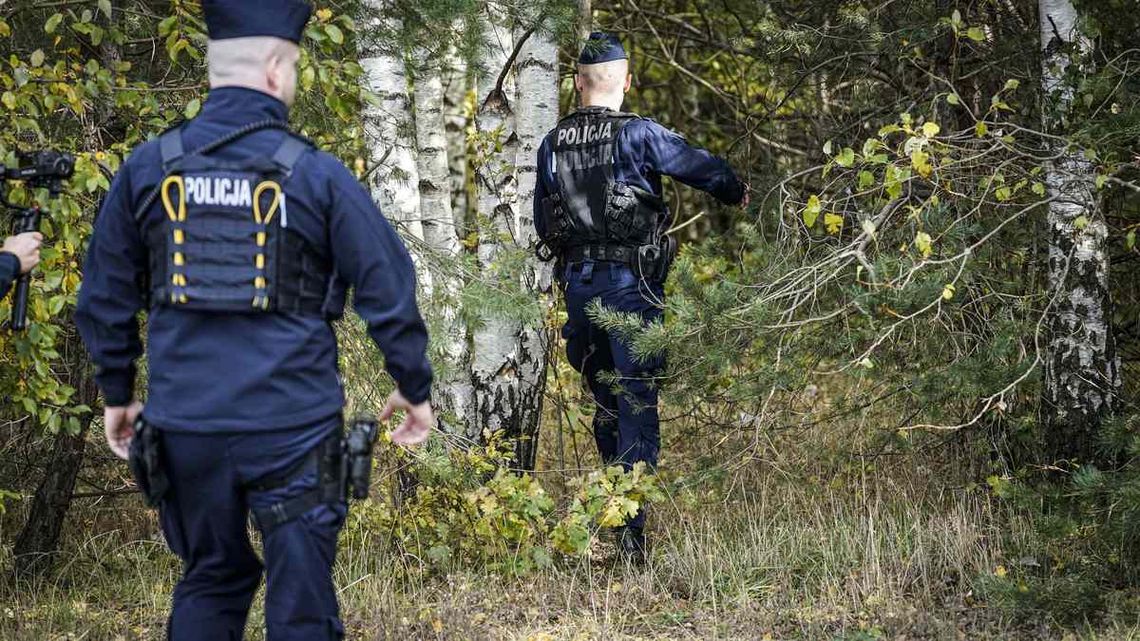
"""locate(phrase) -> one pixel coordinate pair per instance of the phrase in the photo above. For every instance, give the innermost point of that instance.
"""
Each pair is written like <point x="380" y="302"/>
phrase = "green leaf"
<point x="977" y="34"/>
<point x="1130" y="240"/>
<point x="8" y="100"/>
<point x="981" y="129"/>
<point x="931" y="129"/>
<point x="811" y="213"/>
<point x="37" y="57"/>
<point x="1101" y="181"/>
<point x="335" y="34"/>
<point x="866" y="180"/>
<point x="105" y="7"/>
<point x="1012" y="84"/>
<point x="1081" y="222"/>
<point x="827" y="148"/>
<point x="948" y="291"/>
<point x="1039" y="189"/>
<point x="956" y="18"/>
<point x="846" y="158"/>
<point x="953" y="99"/>
<point x="53" y="22"/>
<point x="193" y="107"/>
<point x="889" y="129"/>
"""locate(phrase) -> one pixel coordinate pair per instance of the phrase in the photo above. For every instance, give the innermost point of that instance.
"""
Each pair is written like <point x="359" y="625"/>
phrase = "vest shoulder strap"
<point x="290" y="151"/>
<point x="170" y="144"/>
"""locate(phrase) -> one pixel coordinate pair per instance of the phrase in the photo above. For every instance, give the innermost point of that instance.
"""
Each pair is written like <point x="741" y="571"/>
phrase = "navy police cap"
<point x="284" y="19"/>
<point x="601" y="47"/>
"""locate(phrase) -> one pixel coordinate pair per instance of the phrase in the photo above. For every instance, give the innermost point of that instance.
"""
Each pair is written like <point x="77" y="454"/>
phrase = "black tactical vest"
<point x="224" y="243"/>
<point x="590" y="206"/>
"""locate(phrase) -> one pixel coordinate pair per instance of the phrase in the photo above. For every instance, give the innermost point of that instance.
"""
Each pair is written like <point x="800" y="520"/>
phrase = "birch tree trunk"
<point x="452" y="391"/>
<point x="495" y="366"/>
<point x="1082" y="369"/>
<point x="394" y="177"/>
<point x="535" y="115"/>
<point x="457" y="117"/>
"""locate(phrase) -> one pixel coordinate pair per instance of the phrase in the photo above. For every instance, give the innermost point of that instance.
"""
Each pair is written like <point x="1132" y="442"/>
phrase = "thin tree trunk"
<point x="585" y="18"/>
<point x="452" y="392"/>
<point x="537" y="114"/>
<point x="38" y="540"/>
<point x="457" y="117"/>
<point x="501" y="399"/>
<point x="394" y="177"/>
<point x="1082" y="369"/>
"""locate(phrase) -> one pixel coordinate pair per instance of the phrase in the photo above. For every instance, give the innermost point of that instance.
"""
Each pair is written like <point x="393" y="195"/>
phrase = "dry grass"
<point x="786" y="560"/>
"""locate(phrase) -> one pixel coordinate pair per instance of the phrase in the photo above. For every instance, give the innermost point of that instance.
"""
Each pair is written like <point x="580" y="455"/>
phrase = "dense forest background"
<point x="901" y="400"/>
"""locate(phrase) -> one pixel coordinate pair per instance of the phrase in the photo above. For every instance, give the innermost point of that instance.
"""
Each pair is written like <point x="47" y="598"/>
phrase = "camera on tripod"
<point x="40" y="170"/>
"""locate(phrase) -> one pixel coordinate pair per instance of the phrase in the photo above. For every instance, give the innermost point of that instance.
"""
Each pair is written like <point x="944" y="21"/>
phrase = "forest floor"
<point x="798" y="561"/>
<point x="797" y="539"/>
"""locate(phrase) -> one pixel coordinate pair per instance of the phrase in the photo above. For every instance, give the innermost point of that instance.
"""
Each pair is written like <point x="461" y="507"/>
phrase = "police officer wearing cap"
<point x="240" y="239"/>
<point x="19" y="254"/>
<point x="599" y="214"/>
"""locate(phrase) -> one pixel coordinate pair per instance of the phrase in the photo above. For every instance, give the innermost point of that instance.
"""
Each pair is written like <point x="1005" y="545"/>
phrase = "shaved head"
<point x="604" y="83"/>
<point x="264" y="63"/>
<point x="606" y="77"/>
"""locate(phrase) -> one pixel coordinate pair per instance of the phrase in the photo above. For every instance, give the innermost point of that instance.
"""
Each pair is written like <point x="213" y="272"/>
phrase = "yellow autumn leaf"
<point x="921" y="161"/>
<point x="1000" y="571"/>
<point x="834" y="223"/>
<point x="324" y="14"/>
<point x="923" y="244"/>
<point x="931" y="129"/>
<point x="948" y="291"/>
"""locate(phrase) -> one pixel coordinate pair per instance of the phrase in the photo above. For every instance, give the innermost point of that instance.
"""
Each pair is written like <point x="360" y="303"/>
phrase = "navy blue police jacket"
<point x="643" y="153"/>
<point x="9" y="270"/>
<point x="246" y="372"/>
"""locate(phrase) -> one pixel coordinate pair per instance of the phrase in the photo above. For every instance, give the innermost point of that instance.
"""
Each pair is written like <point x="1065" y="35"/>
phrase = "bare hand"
<point x="25" y="247"/>
<point x="417" y="422"/>
<point x="119" y="425"/>
<point x="744" y="202"/>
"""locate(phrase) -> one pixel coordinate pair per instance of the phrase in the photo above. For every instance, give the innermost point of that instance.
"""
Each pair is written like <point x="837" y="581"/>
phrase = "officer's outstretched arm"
<point x="370" y="255"/>
<point x="668" y="154"/>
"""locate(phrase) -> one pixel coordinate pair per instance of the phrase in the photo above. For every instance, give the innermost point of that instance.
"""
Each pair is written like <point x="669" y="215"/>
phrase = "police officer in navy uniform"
<point x="599" y="214"/>
<point x="19" y="254"/>
<point x="240" y="240"/>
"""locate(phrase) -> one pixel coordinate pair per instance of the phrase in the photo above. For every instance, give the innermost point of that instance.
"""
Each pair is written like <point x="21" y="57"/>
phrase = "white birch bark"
<point x="536" y="114"/>
<point x="457" y="86"/>
<point x="390" y="131"/>
<point x="1082" y="369"/>
<point x="452" y="391"/>
<point x="494" y="366"/>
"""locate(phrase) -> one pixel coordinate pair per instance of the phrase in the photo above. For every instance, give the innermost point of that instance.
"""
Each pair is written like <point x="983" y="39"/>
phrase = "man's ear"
<point x="578" y="82"/>
<point x="273" y="74"/>
<point x="628" y="82"/>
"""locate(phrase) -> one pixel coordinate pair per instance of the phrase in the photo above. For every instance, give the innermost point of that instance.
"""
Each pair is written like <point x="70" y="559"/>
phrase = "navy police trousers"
<point x="205" y="515"/>
<point x="626" y="425"/>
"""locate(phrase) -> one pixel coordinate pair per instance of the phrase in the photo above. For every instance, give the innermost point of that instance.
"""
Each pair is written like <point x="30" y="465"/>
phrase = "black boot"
<point x="631" y="545"/>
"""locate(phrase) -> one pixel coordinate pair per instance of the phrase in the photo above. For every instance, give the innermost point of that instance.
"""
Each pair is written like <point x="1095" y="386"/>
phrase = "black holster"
<point x="344" y="468"/>
<point x="145" y="461"/>
<point x="653" y="262"/>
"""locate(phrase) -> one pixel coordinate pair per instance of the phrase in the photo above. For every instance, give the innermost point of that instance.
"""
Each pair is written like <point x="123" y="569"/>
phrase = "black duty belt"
<point x="615" y="253"/>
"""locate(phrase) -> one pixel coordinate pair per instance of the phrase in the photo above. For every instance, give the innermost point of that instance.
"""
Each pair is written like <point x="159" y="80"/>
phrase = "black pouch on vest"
<point x="559" y="228"/>
<point x="145" y="461"/>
